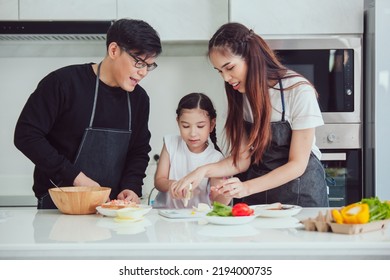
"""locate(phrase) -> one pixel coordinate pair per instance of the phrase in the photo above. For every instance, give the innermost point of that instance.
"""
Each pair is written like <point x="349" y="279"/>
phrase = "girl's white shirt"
<point x="302" y="110"/>
<point x="183" y="161"/>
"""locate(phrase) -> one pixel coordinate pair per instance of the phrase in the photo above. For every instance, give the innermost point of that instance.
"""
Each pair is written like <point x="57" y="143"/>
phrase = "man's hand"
<point x="129" y="196"/>
<point x="83" y="180"/>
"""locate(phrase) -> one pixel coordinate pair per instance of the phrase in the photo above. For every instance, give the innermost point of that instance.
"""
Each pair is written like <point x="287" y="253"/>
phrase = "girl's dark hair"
<point x="135" y="35"/>
<point x="200" y="101"/>
<point x="264" y="70"/>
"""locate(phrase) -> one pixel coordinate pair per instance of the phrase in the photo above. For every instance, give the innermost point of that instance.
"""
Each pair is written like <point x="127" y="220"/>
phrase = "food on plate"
<point x="362" y="212"/>
<point x="273" y="206"/>
<point x="119" y="204"/>
<point x="202" y="207"/>
<point x="222" y="210"/>
<point x="242" y="209"/>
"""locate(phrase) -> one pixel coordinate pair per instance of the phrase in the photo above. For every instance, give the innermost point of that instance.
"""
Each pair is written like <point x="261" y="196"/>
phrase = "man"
<point x="87" y="125"/>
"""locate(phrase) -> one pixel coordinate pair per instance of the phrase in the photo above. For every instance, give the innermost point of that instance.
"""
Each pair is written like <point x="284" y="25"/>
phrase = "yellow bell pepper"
<point x="356" y="213"/>
<point x="337" y="216"/>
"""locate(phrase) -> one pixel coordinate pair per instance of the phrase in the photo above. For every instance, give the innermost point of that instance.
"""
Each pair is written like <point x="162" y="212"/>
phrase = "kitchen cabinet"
<point x="178" y="19"/>
<point x="9" y="10"/>
<point x="69" y="10"/>
<point x="279" y="17"/>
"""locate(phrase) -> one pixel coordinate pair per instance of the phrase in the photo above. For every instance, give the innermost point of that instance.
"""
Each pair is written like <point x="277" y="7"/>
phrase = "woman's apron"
<point x="102" y="153"/>
<point x="309" y="190"/>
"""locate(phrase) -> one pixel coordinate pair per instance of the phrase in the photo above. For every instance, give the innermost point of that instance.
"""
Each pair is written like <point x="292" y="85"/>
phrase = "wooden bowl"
<point x="79" y="200"/>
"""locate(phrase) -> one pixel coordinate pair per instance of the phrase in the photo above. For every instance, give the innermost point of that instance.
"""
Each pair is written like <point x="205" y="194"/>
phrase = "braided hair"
<point x="199" y="100"/>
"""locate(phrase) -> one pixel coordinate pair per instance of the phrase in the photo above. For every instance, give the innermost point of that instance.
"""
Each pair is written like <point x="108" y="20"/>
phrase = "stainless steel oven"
<point x="344" y="170"/>
<point x="333" y="64"/>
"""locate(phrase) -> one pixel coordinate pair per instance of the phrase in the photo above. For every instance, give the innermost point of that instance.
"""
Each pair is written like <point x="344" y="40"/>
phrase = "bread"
<point x="273" y="206"/>
<point x="118" y="204"/>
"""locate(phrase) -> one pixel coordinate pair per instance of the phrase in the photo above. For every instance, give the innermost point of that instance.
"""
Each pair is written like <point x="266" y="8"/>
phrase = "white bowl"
<point x="286" y="211"/>
<point x="219" y="220"/>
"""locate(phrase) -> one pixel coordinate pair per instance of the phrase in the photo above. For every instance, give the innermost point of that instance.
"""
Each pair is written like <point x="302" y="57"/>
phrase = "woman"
<point x="270" y="126"/>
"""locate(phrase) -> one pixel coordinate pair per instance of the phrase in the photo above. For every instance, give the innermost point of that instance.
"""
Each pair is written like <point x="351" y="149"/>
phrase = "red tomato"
<point x="242" y="209"/>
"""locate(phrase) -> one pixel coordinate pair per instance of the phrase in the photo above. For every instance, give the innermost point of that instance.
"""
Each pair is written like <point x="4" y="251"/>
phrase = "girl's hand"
<point x="173" y="190"/>
<point x="232" y="188"/>
<point x="179" y="193"/>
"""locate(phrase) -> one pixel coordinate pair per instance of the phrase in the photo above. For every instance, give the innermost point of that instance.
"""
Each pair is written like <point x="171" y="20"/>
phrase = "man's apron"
<point x="102" y="153"/>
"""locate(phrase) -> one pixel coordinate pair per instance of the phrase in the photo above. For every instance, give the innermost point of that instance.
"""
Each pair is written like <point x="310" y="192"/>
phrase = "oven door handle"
<point x="333" y="156"/>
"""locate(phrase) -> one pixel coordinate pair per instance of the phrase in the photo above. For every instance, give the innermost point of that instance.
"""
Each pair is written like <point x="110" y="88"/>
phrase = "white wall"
<point x="174" y="77"/>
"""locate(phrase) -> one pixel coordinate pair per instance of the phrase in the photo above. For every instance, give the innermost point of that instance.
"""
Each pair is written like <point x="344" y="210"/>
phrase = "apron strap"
<point x="282" y="97"/>
<point x="96" y="95"/>
<point x="95" y="100"/>
<point x="129" y="106"/>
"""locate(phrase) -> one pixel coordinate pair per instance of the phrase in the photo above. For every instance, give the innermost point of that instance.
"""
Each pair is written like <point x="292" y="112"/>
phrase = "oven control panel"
<point x="339" y="136"/>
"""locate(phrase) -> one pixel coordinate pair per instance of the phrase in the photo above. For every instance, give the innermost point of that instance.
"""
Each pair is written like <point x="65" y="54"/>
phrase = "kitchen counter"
<point x="28" y="233"/>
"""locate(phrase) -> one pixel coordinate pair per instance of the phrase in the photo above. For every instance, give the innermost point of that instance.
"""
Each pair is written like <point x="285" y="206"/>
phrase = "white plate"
<point x="218" y="220"/>
<point x="106" y="211"/>
<point x="181" y="213"/>
<point x="286" y="211"/>
<point x="133" y="212"/>
<point x="142" y="209"/>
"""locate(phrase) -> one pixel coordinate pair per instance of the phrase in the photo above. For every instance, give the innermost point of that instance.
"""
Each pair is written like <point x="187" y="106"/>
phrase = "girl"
<point x="272" y="116"/>
<point x="196" y="146"/>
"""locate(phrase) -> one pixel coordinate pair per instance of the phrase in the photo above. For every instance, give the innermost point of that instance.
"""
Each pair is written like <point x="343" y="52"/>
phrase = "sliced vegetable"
<point x="220" y="209"/>
<point x="378" y="210"/>
<point x="242" y="209"/>
<point x="356" y="213"/>
<point x="364" y="211"/>
<point x="337" y="216"/>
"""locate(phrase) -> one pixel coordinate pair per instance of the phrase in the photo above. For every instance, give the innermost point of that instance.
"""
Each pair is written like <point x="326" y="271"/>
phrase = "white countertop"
<point x="28" y="233"/>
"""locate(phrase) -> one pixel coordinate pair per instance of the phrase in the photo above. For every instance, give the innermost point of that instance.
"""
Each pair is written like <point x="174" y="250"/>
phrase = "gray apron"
<point x="309" y="190"/>
<point x="103" y="151"/>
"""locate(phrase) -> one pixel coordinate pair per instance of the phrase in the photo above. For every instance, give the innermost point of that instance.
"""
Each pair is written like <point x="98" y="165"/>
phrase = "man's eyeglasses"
<point x="139" y="63"/>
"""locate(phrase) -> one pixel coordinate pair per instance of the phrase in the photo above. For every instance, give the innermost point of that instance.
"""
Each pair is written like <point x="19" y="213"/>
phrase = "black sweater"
<point x="51" y="125"/>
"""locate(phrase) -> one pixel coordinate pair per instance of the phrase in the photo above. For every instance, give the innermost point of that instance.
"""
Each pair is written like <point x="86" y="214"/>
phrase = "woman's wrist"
<point x="204" y="171"/>
<point x="248" y="188"/>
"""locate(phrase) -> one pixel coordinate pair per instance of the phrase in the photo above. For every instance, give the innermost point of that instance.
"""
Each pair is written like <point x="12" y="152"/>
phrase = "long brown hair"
<point x="264" y="70"/>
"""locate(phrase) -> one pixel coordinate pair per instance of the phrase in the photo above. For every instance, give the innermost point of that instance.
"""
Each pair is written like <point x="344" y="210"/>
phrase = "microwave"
<point x="333" y="64"/>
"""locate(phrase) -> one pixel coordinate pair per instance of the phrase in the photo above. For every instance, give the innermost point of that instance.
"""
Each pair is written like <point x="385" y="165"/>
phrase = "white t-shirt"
<point x="183" y="161"/>
<point x="301" y="107"/>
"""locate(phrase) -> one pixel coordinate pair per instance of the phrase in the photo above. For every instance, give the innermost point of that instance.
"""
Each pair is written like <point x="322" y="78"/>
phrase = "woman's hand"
<point x="180" y="188"/>
<point x="231" y="188"/>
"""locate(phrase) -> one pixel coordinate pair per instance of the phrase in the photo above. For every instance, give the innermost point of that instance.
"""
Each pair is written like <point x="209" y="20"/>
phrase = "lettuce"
<point x="378" y="210"/>
<point x="220" y="209"/>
